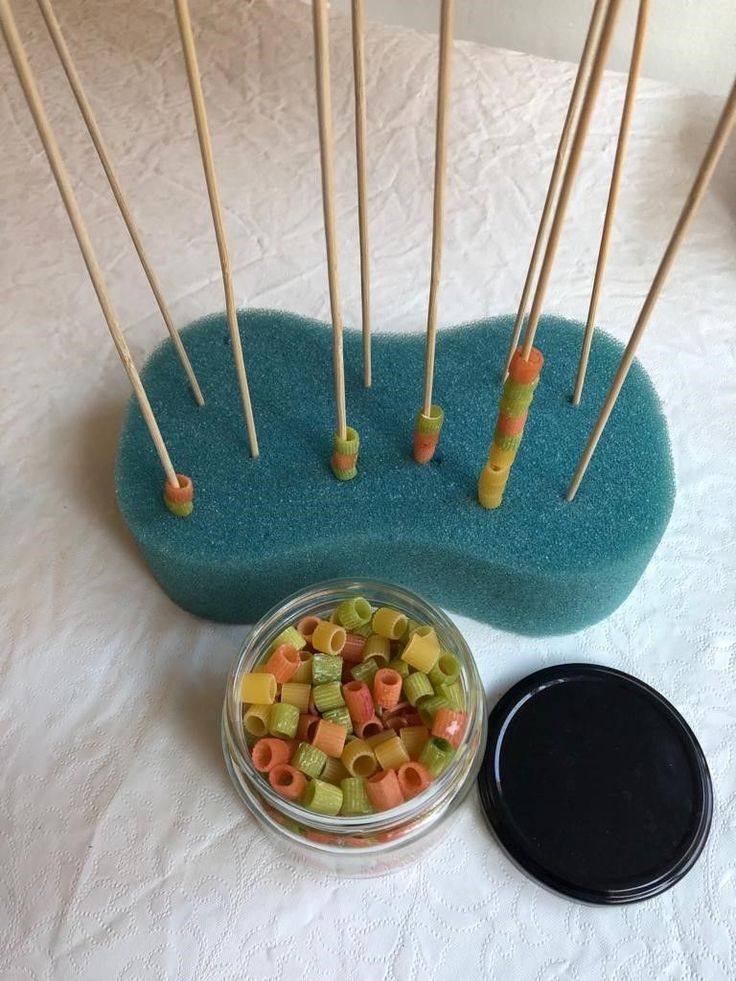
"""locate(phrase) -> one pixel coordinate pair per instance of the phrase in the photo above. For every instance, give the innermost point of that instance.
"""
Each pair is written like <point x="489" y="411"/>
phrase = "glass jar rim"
<point x="439" y="790"/>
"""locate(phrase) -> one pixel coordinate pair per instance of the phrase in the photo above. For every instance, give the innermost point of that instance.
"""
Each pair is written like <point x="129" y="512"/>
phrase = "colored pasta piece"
<point x="414" y="739"/>
<point x="352" y="652"/>
<point x="287" y="781"/>
<point x="417" y="686"/>
<point x="334" y="771"/>
<point x="309" y="760"/>
<point x="454" y="695"/>
<point x="446" y="671"/>
<point x="379" y="737"/>
<point x="328" y="696"/>
<point x="365" y="671"/>
<point x="355" y="800"/>
<point x="306" y="727"/>
<point x="413" y="779"/>
<point x="296" y="693"/>
<point x="435" y="756"/>
<point x="378" y="648"/>
<point x="370" y="727"/>
<point x="330" y="738"/>
<point x="359" y="701"/>
<point x="429" y="707"/>
<point x="341" y="717"/>
<point x="268" y="753"/>
<point x="326" y="667"/>
<point x="258" y="688"/>
<point x="391" y="753"/>
<point x="399" y="666"/>
<point x="328" y="638"/>
<point x="303" y="673"/>
<point x="383" y="790"/>
<point x="387" y="686"/>
<point x="359" y="759"/>
<point x="283" y="720"/>
<point x="255" y="720"/>
<point x="306" y="627"/>
<point x="283" y="662"/>
<point x="322" y="797"/>
<point x="423" y="650"/>
<point x="389" y="623"/>
<point x="354" y="613"/>
<point x="289" y="636"/>
<point x="450" y="725"/>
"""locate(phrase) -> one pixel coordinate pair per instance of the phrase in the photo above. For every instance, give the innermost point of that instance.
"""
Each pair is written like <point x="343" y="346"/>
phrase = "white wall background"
<point x="691" y="43"/>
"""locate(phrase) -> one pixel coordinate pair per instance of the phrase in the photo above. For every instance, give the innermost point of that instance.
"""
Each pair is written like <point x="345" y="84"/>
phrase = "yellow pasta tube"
<point x="391" y="753"/>
<point x="329" y="638"/>
<point x="358" y="758"/>
<point x="389" y="623"/>
<point x="334" y="771"/>
<point x="256" y="720"/>
<point x="423" y="650"/>
<point x="378" y="648"/>
<point x="414" y="739"/>
<point x="258" y="689"/>
<point x="296" y="693"/>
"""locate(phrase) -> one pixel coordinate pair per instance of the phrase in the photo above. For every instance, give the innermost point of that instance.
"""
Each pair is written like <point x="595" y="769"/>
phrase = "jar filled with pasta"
<point x="354" y="724"/>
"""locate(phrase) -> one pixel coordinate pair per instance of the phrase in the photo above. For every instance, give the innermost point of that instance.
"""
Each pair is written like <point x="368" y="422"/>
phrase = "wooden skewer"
<point x="61" y="176"/>
<point x="438" y="216"/>
<point x="576" y="152"/>
<point x="637" y="53"/>
<point x="358" y="22"/>
<point x="85" y="108"/>
<point x="324" y="112"/>
<point x="208" y="163"/>
<point x="715" y="149"/>
<point x="581" y="78"/>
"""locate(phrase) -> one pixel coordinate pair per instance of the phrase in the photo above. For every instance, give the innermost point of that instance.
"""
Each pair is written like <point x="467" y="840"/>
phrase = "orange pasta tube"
<point x="387" y="688"/>
<point x="413" y="779"/>
<point x="283" y="663"/>
<point x="368" y="728"/>
<point x="306" y="727"/>
<point x="449" y="725"/>
<point x="359" y="701"/>
<point x="511" y="425"/>
<point x="268" y="753"/>
<point x="391" y="753"/>
<point x="287" y="781"/>
<point x="359" y="759"/>
<point x="329" y="737"/>
<point x="352" y="652"/>
<point x="307" y="626"/>
<point x="384" y="790"/>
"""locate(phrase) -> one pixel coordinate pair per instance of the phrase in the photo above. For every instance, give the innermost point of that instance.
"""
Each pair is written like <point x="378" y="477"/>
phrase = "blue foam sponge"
<point x="263" y="528"/>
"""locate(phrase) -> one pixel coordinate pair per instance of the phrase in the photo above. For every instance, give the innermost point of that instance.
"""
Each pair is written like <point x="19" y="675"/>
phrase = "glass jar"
<point x="376" y="843"/>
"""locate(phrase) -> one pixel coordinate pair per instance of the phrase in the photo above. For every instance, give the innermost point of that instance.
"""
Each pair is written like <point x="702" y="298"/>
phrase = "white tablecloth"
<point x="124" y="852"/>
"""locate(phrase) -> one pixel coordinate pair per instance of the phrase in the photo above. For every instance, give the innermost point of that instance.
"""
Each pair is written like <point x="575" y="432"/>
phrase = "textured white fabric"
<point x="124" y="853"/>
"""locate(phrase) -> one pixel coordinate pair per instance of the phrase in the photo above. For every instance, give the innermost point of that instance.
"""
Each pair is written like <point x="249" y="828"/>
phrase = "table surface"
<point x="124" y="851"/>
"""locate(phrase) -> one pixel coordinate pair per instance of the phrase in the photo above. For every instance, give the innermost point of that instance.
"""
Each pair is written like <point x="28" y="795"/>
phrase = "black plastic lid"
<point x="595" y="785"/>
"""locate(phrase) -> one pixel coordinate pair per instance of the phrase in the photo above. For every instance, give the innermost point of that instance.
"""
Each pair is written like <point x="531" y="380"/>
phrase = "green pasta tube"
<point x="377" y="647"/>
<point x="428" y="708"/>
<point x="310" y="760"/>
<point x="454" y="695"/>
<point x="283" y="720"/>
<point x="354" y="613"/>
<point x="289" y="636"/>
<point x="355" y="800"/>
<point x="400" y="667"/>
<point x="322" y="798"/>
<point x="341" y="717"/>
<point x="417" y="685"/>
<point x="435" y="756"/>
<point x="328" y="696"/>
<point x="365" y="671"/>
<point x="445" y="671"/>
<point x="326" y="667"/>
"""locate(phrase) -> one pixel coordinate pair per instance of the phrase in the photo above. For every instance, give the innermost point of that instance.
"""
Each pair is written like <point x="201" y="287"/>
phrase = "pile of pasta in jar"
<point x="358" y="718"/>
